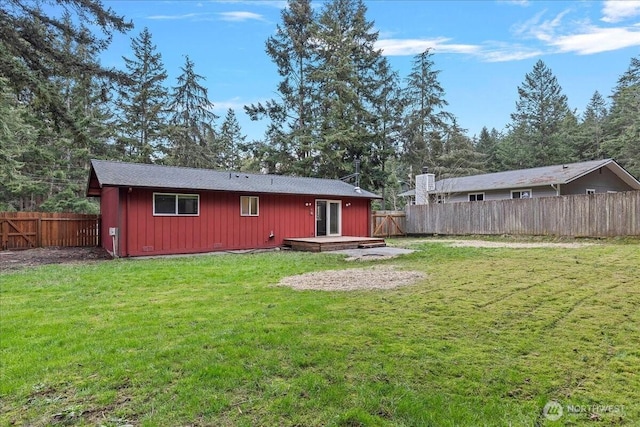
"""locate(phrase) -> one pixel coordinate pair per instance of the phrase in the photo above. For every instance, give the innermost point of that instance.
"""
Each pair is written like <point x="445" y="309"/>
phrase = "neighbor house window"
<point x="476" y="197"/>
<point x="248" y="206"/>
<point x="437" y="198"/>
<point x="521" y="194"/>
<point x="176" y="204"/>
<point x="591" y="191"/>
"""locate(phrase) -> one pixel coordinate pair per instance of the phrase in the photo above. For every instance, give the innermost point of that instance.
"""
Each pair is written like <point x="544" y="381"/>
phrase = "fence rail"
<point x="24" y="230"/>
<point x="596" y="215"/>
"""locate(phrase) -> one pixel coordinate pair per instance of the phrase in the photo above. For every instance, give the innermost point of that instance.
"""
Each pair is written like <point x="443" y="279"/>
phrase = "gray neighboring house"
<point x="596" y="176"/>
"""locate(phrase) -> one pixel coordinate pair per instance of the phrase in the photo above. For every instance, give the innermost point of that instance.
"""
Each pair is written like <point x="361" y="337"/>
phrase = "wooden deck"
<point x="323" y="244"/>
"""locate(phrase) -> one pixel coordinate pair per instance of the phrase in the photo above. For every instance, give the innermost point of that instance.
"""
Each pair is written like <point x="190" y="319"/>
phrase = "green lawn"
<point x="488" y="337"/>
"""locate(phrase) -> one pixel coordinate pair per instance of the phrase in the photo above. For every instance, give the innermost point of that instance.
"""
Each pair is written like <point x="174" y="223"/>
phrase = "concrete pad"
<point x="372" y="253"/>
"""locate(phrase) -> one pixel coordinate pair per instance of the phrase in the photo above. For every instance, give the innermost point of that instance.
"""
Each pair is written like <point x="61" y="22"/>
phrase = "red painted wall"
<point x="219" y="225"/>
<point x="109" y="210"/>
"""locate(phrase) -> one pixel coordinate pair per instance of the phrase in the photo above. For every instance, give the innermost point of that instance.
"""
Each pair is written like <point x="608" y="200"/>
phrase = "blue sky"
<point x="483" y="49"/>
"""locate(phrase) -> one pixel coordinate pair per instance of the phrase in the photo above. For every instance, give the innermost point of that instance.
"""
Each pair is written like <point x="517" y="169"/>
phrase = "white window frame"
<point x="177" y="197"/>
<point x="522" y="191"/>
<point x="591" y="191"/>
<point x="328" y="218"/>
<point x="475" y="194"/>
<point x="250" y="198"/>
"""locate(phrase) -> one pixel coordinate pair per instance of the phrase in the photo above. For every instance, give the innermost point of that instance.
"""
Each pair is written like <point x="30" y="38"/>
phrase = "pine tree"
<point x="425" y="120"/>
<point x="16" y="135"/>
<point x="387" y="109"/>
<point x="31" y="60"/>
<point x="230" y="142"/>
<point x="591" y="130"/>
<point x="535" y="130"/>
<point x="191" y="121"/>
<point x="623" y="124"/>
<point x="459" y="156"/>
<point x="347" y="80"/>
<point x="488" y="146"/>
<point x="291" y="49"/>
<point x="143" y="102"/>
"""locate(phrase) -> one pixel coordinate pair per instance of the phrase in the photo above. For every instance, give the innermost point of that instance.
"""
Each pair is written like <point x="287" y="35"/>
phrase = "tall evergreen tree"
<point x="387" y="109"/>
<point x="291" y="49"/>
<point x="623" y="124"/>
<point x="347" y="81"/>
<point x="16" y="136"/>
<point x="488" y="146"/>
<point x="230" y="143"/>
<point x="143" y="102"/>
<point x="192" y="121"/>
<point x="459" y="156"/>
<point x="31" y="60"/>
<point x="591" y="130"/>
<point x="535" y="130"/>
<point x="426" y="120"/>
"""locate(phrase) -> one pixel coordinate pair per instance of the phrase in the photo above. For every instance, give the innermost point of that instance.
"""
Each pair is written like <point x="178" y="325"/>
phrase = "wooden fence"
<point x="24" y="230"/>
<point x="596" y="215"/>
<point x="388" y="223"/>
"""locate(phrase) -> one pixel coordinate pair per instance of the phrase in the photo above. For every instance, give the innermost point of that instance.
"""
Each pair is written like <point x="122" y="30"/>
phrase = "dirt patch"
<point x="17" y="260"/>
<point x="514" y="245"/>
<point x="353" y="279"/>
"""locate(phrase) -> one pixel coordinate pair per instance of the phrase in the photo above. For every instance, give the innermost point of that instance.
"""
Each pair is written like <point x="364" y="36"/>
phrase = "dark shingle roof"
<point x="522" y="178"/>
<point x="120" y="174"/>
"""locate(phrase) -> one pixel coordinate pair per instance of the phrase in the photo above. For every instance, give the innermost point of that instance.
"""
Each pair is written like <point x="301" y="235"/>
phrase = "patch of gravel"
<point x="353" y="279"/>
<point x="515" y="245"/>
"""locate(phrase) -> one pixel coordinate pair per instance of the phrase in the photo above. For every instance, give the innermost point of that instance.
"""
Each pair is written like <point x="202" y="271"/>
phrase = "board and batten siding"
<point x="596" y="215"/>
<point x="219" y="225"/>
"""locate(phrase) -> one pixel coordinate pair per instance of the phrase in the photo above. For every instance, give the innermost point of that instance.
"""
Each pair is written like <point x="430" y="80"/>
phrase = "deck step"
<point x="372" y="245"/>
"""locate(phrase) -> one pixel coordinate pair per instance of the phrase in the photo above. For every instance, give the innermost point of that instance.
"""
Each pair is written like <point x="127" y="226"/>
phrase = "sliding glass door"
<point x="328" y="217"/>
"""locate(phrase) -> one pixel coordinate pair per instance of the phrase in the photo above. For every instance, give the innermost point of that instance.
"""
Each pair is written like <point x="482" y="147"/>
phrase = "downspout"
<point x="557" y="188"/>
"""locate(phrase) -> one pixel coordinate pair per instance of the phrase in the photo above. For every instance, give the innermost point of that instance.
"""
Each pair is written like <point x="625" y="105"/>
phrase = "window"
<point x="521" y="194"/>
<point x="476" y="197"/>
<point x="248" y="206"/>
<point x="591" y="191"/>
<point x="176" y="204"/>
<point x="437" y="198"/>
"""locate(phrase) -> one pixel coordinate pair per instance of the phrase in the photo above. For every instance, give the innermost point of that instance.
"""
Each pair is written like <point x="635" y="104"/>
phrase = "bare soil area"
<point x="16" y="260"/>
<point x="353" y="279"/>
<point x="514" y="245"/>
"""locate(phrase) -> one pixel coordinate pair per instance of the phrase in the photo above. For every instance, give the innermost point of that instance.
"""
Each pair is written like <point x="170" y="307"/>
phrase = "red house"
<point x="158" y="210"/>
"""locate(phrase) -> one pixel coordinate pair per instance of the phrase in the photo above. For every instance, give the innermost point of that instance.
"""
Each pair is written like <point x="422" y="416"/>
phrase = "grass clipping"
<point x="353" y="279"/>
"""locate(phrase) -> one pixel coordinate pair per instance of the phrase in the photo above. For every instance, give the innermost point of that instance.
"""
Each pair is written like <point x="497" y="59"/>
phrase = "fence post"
<point x="39" y="232"/>
<point x="5" y="238"/>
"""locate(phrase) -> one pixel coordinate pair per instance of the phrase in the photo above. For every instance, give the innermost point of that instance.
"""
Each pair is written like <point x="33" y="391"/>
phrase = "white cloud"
<point x="506" y="53"/>
<point x="405" y="47"/>
<point x="617" y="10"/>
<point x="178" y="17"/>
<point x="273" y="3"/>
<point x="240" y="16"/>
<point x="234" y="103"/>
<point x="597" y="40"/>
<point x="539" y="29"/>
<point x="488" y="52"/>
<point x="515" y="2"/>
<point x="583" y="37"/>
